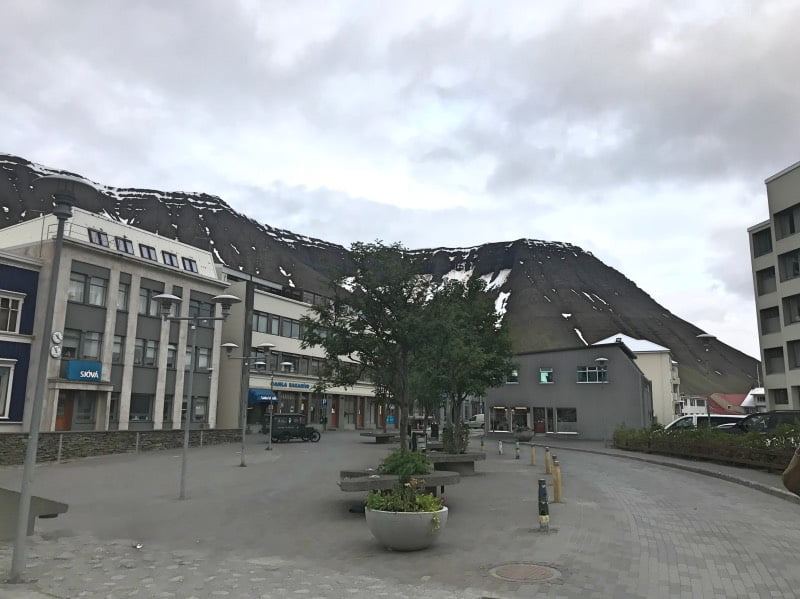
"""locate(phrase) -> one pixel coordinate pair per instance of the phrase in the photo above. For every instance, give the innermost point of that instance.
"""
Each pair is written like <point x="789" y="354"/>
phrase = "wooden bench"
<point x="9" y="508"/>
<point x="380" y="437"/>
<point x="353" y="481"/>
<point x="463" y="463"/>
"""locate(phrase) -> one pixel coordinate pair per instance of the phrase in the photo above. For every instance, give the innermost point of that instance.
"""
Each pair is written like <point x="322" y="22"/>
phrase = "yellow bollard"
<point x="548" y="464"/>
<point x="481" y="442"/>
<point x="558" y="492"/>
<point x="533" y="455"/>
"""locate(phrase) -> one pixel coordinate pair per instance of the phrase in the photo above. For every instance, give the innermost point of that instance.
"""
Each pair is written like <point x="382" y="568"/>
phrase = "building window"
<point x="566" y="420"/>
<point x="169" y="258"/>
<point x="789" y="265"/>
<point x="770" y="320"/>
<point x="199" y="309"/>
<point x="84" y="407"/>
<point x="780" y="397"/>
<point x="141" y="407"/>
<point x="793" y="354"/>
<point x="290" y="328"/>
<point x="6" y="380"/>
<point x="98" y="237"/>
<point x="172" y="352"/>
<point x="118" y="352"/>
<point x="147" y="305"/>
<point x="145" y="352"/>
<point x="189" y="264"/>
<point x="773" y="360"/>
<point x="81" y="345"/>
<point x="91" y="344"/>
<point x="123" y="296"/>
<point x="200" y="412"/>
<point x="203" y="358"/>
<point x="113" y="407"/>
<point x="166" y="414"/>
<point x="77" y="287"/>
<point x="124" y="245"/>
<point x="593" y="374"/>
<point x="10" y="308"/>
<point x="791" y="309"/>
<point x="148" y="251"/>
<point x="762" y="242"/>
<point x="787" y="222"/>
<point x="513" y="376"/>
<point x="499" y="420"/>
<point x="766" y="281"/>
<point x="87" y="289"/>
<point x="545" y="375"/>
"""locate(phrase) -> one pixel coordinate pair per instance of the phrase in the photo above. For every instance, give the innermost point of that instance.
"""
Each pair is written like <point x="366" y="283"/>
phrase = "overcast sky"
<point x="641" y="132"/>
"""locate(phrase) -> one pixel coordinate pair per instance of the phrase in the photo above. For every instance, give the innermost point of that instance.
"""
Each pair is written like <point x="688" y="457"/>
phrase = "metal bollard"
<point x="533" y="455"/>
<point x="544" y="509"/>
<point x="558" y="495"/>
<point x="548" y="464"/>
<point x="482" y="442"/>
<point x="516" y="451"/>
<point x="500" y="447"/>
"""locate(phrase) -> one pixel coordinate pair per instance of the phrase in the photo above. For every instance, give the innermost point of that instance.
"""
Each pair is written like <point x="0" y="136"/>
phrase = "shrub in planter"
<point x="406" y="464"/>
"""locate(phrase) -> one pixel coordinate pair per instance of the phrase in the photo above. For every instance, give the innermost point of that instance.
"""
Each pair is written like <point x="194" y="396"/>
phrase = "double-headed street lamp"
<point x="167" y="300"/>
<point x="246" y="360"/>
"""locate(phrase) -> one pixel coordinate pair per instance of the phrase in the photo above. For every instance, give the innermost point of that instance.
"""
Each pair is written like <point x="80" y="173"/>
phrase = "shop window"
<point x="84" y="407"/>
<point x="141" y="407"/>
<point x="10" y="308"/>
<point x="567" y="420"/>
<point x="545" y="375"/>
<point x="499" y="421"/>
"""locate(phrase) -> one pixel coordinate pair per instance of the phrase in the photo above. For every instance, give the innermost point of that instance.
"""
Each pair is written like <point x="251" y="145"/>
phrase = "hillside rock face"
<point x="554" y="295"/>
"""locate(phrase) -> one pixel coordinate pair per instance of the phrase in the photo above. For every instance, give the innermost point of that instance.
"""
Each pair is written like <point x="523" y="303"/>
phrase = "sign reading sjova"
<point x="83" y="370"/>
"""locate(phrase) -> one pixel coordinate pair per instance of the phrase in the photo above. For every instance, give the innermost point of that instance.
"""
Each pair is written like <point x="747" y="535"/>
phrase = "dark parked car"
<point x="765" y="422"/>
<point x="286" y="427"/>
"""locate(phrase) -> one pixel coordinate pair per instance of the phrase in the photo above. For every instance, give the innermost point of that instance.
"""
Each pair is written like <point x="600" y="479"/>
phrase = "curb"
<point x="774" y="491"/>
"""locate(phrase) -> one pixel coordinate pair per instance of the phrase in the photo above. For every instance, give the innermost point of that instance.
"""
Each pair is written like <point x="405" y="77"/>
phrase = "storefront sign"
<point x="260" y="396"/>
<point x="83" y="370"/>
<point x="290" y="385"/>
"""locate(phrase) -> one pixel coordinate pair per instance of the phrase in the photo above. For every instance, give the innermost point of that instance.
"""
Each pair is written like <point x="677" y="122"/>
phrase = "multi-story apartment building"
<point x="775" y="259"/>
<point x="121" y="366"/>
<point x="283" y="374"/>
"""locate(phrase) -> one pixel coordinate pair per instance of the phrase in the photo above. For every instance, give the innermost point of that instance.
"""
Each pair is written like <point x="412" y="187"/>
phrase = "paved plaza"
<point x="281" y="528"/>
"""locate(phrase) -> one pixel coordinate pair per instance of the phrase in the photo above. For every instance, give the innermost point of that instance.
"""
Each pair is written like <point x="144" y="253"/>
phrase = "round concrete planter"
<point x="523" y="435"/>
<point x="406" y="531"/>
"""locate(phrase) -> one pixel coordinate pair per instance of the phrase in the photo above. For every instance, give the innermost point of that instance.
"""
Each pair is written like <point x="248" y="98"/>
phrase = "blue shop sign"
<point x="84" y="370"/>
<point x="260" y="396"/>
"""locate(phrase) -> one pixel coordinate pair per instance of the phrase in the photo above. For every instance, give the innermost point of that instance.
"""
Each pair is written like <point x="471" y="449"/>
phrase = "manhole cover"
<point x="524" y="573"/>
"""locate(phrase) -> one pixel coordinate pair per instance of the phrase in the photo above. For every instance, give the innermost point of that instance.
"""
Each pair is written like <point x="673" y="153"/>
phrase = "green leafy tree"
<point x="373" y="323"/>
<point x="469" y="349"/>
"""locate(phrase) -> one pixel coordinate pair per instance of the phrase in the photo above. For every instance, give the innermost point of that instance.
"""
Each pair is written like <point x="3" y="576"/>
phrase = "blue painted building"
<point x="19" y="283"/>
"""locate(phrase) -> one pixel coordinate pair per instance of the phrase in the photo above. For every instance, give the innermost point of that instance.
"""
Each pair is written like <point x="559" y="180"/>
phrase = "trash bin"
<point x="417" y="439"/>
<point x="434" y="430"/>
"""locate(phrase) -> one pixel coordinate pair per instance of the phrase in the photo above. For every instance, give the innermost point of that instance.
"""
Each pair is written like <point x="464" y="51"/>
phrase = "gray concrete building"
<point x="114" y="363"/>
<point x="585" y="391"/>
<point x="775" y="260"/>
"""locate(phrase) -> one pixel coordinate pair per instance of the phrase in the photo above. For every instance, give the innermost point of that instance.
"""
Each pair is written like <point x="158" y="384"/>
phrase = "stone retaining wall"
<point x="81" y="444"/>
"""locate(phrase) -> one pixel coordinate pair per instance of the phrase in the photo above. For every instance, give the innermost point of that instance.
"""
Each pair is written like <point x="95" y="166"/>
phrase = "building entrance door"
<point x="335" y="413"/>
<point x="539" y="425"/>
<point x="64" y="411"/>
<point x="360" y="413"/>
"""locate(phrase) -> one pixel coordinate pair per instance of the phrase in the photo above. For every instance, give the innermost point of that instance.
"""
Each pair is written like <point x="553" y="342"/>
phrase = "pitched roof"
<point x="726" y="403"/>
<point x="635" y="345"/>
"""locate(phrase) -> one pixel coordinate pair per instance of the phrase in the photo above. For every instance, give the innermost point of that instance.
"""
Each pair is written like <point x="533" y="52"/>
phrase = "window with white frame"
<point x="6" y="380"/>
<point x="593" y="374"/>
<point x="545" y="375"/>
<point x="10" y="310"/>
<point x="87" y="289"/>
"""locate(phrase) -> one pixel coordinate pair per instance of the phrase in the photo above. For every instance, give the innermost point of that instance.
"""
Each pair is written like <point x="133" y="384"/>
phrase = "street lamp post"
<point x="246" y="360"/>
<point x="64" y="196"/>
<point x="167" y="300"/>
<point x="707" y="338"/>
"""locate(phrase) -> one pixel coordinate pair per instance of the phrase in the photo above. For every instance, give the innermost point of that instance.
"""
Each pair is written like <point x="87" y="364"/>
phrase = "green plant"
<point x="407" y="496"/>
<point x="455" y="438"/>
<point x="405" y="464"/>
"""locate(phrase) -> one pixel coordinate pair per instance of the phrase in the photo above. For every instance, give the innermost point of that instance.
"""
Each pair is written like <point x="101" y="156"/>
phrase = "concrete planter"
<point x="523" y="435"/>
<point x="406" y="531"/>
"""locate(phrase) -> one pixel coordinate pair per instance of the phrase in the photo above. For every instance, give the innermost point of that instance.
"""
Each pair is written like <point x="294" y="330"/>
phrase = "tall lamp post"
<point x="167" y="300"/>
<point x="707" y="338"/>
<point x="246" y="361"/>
<point x="64" y="196"/>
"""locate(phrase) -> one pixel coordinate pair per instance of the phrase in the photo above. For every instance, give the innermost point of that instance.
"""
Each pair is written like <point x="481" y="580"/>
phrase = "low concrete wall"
<point x="81" y="444"/>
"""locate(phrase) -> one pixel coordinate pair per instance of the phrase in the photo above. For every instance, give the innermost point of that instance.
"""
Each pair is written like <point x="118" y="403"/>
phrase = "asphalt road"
<point x="281" y="526"/>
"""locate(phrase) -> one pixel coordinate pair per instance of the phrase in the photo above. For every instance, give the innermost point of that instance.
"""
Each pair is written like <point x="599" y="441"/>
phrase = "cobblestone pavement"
<point x="280" y="528"/>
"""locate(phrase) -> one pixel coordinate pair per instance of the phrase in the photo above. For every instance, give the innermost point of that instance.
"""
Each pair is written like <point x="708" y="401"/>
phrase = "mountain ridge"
<point x="555" y="294"/>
